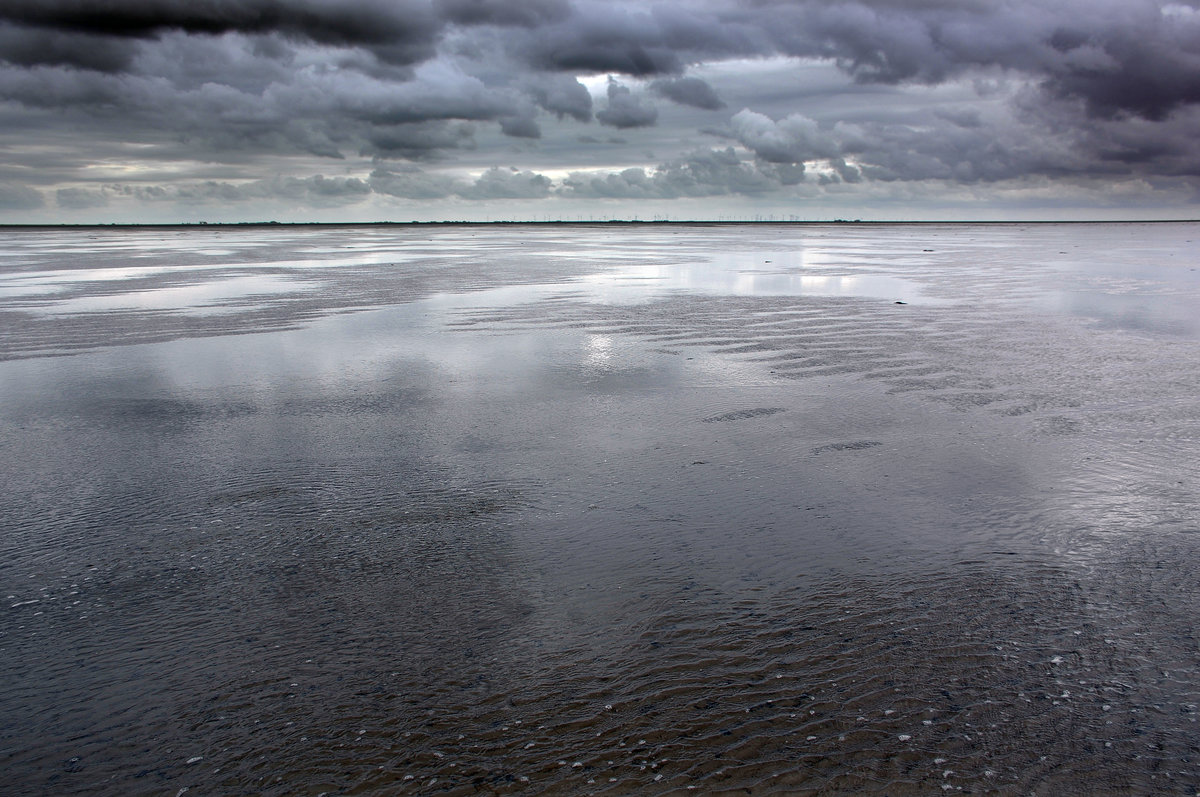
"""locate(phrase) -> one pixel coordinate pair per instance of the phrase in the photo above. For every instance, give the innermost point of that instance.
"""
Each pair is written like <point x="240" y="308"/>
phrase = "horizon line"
<point x="568" y="222"/>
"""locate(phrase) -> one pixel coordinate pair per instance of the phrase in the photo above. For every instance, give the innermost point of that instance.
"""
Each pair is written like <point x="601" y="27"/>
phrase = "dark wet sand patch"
<point x="857" y="445"/>
<point x="741" y="415"/>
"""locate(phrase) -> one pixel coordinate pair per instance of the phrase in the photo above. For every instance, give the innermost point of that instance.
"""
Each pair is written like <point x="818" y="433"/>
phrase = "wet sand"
<point x="582" y="509"/>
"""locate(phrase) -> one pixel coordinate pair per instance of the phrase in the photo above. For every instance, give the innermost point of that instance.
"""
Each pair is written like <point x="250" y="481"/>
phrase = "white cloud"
<point x="793" y="139"/>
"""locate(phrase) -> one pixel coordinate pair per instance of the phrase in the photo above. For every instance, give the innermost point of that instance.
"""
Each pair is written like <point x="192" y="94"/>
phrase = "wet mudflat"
<point x="600" y="509"/>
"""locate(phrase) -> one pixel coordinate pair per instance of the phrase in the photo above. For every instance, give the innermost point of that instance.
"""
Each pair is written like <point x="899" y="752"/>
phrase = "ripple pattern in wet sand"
<point x="757" y="544"/>
<point x="884" y="687"/>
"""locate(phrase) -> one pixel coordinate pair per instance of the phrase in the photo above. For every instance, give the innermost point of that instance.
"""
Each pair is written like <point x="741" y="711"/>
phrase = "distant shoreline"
<point x="610" y="223"/>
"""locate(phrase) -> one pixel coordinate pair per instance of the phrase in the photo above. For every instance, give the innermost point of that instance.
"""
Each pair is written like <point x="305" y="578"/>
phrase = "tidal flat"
<point x="600" y="509"/>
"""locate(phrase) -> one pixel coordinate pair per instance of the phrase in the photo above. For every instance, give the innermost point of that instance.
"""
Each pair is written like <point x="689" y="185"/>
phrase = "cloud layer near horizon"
<point x="317" y="104"/>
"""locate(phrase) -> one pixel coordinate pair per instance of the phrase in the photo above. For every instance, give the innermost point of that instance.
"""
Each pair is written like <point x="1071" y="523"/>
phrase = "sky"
<point x="156" y="111"/>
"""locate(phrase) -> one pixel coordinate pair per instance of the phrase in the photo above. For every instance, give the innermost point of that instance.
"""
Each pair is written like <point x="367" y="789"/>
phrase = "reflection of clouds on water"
<point x="1152" y="313"/>
<point x="314" y="271"/>
<point x="504" y="489"/>
<point x="742" y="274"/>
<point x="200" y="296"/>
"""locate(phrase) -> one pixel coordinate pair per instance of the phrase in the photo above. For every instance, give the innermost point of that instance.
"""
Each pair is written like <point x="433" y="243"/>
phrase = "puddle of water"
<point x="201" y="296"/>
<point x="745" y="275"/>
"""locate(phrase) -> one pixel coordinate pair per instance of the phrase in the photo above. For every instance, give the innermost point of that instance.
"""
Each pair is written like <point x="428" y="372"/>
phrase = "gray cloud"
<point x="14" y="196"/>
<point x="419" y="141"/>
<point x="520" y="127"/>
<point x="846" y="172"/>
<point x="333" y="188"/>
<point x="410" y="182"/>
<point x="563" y="95"/>
<point x="713" y="172"/>
<point x="441" y="92"/>
<point x="633" y="183"/>
<point x="69" y="89"/>
<point x="318" y="191"/>
<point x="950" y="145"/>
<point x="238" y="91"/>
<point x="689" y="91"/>
<point x="702" y="173"/>
<point x="80" y="198"/>
<point x="1117" y="56"/>
<point x="1137" y="56"/>
<point x="497" y="183"/>
<point x="625" y="109"/>
<point x="793" y="139"/>
<point x="229" y="94"/>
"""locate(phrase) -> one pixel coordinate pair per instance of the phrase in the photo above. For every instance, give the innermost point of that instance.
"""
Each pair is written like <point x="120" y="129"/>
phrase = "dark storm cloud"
<point x="952" y="146"/>
<point x="521" y="120"/>
<point x="439" y="92"/>
<point x="527" y="13"/>
<point x="936" y="150"/>
<point x="1135" y="57"/>
<point x="641" y="39"/>
<point x="600" y="39"/>
<point x="1139" y="57"/>
<point x="419" y="141"/>
<point x="1128" y="74"/>
<point x="26" y="46"/>
<point x="689" y="91"/>
<point x="625" y="109"/>
<point x="1122" y="145"/>
<point x="1067" y="88"/>
<point x="250" y="64"/>
<point x="233" y="93"/>
<point x="319" y="111"/>
<point x="562" y="95"/>
<point x="520" y="127"/>
<point x="402" y="31"/>
<point x="66" y="89"/>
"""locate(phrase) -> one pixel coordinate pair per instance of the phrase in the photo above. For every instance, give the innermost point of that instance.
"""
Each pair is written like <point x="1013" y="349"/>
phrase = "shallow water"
<point x="625" y="510"/>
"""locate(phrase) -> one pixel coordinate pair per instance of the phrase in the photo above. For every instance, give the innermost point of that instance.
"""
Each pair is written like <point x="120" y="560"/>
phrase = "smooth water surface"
<point x="614" y="509"/>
